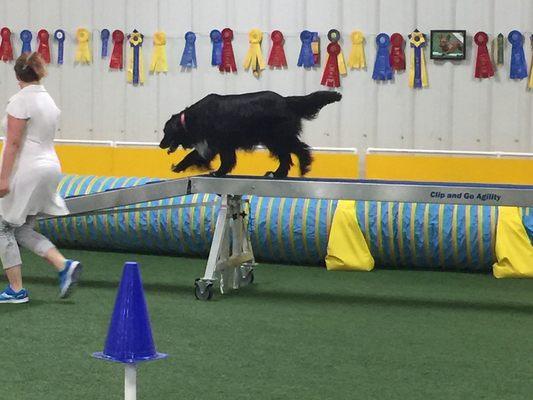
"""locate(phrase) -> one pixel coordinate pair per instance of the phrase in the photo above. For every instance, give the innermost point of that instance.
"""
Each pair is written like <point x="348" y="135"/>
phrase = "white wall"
<point x="455" y="112"/>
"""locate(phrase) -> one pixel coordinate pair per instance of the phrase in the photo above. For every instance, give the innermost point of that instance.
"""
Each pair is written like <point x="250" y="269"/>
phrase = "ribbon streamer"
<point x="277" y="57"/>
<point x="315" y="46"/>
<point x="306" y="58"/>
<point x="216" y="53"/>
<point x="357" y="55"/>
<point x="159" y="53"/>
<point x="518" y="57"/>
<point x="382" y="69"/>
<point x="417" y="69"/>
<point x="83" y="52"/>
<point x="44" y="47"/>
<point x="104" y="36"/>
<point x="228" y="58"/>
<point x="254" y="57"/>
<point x="331" y="73"/>
<point x="530" y="81"/>
<point x="497" y="49"/>
<point x="397" y="56"/>
<point x="135" y="71"/>
<point x="483" y="63"/>
<point x="59" y="35"/>
<point x="6" y="50"/>
<point x="26" y="36"/>
<point x="117" y="56"/>
<point x="188" y="58"/>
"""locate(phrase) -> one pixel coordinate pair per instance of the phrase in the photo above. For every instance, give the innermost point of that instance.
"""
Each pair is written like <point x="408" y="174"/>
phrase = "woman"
<point x="29" y="176"/>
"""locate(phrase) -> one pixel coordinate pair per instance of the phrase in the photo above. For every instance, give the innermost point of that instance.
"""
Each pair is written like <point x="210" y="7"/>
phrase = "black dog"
<point x="222" y="124"/>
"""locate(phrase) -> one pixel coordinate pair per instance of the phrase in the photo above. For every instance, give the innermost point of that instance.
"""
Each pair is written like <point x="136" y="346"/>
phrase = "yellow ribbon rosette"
<point x="254" y="57"/>
<point x="83" y="53"/>
<point x="159" y="54"/>
<point x="357" y="55"/>
<point x="418" y="76"/>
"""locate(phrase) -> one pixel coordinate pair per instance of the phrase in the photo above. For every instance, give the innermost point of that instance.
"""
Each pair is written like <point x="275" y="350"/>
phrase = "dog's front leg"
<point x="191" y="159"/>
<point x="228" y="159"/>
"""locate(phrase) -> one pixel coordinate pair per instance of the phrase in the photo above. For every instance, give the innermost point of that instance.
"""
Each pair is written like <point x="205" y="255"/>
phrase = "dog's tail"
<point x="307" y="107"/>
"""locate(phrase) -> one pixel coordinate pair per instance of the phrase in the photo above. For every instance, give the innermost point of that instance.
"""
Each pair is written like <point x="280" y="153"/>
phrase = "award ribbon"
<point x="315" y="46"/>
<point x="382" y="69"/>
<point x="254" y="57"/>
<point x="418" y="77"/>
<point x="518" y="58"/>
<point x="331" y="76"/>
<point x="6" y="50"/>
<point x="104" y="36"/>
<point x="159" y="53"/>
<point x="530" y="81"/>
<point x="334" y="36"/>
<point x="44" y="47"/>
<point x="483" y="62"/>
<point x="26" y="36"/>
<point x="306" y="58"/>
<point x="59" y="35"/>
<point x="135" y="71"/>
<point x="228" y="58"/>
<point x="497" y="49"/>
<point x="188" y="58"/>
<point x="277" y="54"/>
<point x="397" y="56"/>
<point x="357" y="55"/>
<point x="216" y="53"/>
<point x="117" y="55"/>
<point x="83" y="53"/>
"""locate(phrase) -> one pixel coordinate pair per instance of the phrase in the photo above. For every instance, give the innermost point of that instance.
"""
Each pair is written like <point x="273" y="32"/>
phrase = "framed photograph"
<point x="448" y="45"/>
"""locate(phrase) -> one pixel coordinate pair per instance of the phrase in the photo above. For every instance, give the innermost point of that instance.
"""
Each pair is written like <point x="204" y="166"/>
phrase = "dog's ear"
<point x="171" y="133"/>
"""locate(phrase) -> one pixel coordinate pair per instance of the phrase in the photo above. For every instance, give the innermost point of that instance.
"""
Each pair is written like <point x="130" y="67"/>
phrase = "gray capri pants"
<point x="11" y="236"/>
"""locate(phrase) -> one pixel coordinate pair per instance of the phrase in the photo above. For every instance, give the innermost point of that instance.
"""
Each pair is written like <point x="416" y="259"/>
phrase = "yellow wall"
<point x="153" y="162"/>
<point x="450" y="168"/>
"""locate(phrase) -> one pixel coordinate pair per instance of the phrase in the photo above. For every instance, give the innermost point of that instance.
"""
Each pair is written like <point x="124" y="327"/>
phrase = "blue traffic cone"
<point x="129" y="338"/>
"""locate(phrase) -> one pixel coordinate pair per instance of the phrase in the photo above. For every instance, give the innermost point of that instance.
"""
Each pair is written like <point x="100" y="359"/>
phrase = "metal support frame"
<point x="231" y="257"/>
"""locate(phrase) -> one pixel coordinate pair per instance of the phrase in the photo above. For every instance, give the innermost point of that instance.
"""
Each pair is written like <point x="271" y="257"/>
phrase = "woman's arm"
<point x="15" y="131"/>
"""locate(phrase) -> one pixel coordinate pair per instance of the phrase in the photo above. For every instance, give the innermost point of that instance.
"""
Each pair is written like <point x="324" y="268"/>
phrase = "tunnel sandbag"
<point x="281" y="229"/>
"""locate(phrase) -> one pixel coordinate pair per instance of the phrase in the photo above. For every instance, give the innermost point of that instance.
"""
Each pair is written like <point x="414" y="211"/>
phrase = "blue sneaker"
<point x="69" y="277"/>
<point x="10" y="296"/>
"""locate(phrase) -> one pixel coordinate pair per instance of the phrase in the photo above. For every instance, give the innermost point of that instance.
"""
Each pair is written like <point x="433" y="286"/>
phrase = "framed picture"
<point x="448" y="45"/>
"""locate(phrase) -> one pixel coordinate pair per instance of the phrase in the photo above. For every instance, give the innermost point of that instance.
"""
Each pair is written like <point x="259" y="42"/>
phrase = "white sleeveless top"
<point x="37" y="171"/>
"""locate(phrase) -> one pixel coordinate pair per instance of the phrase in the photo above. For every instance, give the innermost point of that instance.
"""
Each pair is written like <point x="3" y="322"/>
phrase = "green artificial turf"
<point x="296" y="333"/>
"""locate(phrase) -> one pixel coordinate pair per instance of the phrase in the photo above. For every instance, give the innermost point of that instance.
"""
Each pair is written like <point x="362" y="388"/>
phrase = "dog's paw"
<point x="269" y="174"/>
<point x="176" y="168"/>
<point x="216" y="174"/>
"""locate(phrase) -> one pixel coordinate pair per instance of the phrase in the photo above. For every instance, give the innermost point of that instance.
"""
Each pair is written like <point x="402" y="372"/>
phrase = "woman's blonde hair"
<point x="30" y="67"/>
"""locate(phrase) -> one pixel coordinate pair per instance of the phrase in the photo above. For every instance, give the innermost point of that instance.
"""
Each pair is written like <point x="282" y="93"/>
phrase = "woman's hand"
<point x="4" y="187"/>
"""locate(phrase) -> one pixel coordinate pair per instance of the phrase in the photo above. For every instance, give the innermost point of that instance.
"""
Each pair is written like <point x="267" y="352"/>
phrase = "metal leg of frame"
<point x="231" y="258"/>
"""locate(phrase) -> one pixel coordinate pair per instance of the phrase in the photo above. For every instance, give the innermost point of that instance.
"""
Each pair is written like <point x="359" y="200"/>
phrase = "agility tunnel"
<point x="289" y="230"/>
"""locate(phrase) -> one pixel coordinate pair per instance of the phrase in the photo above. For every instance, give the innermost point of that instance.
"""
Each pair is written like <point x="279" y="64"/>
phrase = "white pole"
<point x="130" y="382"/>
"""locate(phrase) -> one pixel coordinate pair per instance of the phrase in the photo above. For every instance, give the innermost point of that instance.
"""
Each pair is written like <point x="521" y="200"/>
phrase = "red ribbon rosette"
<point x="116" y="61"/>
<point x="44" y="47"/>
<point x="6" y="50"/>
<point x="397" y="56"/>
<point x="277" y="54"/>
<point x="331" y="76"/>
<point x="484" y="67"/>
<point x="228" y="58"/>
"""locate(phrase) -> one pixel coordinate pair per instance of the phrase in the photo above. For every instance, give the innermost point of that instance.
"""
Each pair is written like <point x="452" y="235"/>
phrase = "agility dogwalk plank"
<point x="231" y="260"/>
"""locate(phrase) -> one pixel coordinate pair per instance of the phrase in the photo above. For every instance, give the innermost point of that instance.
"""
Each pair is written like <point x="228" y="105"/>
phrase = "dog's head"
<point x="175" y="133"/>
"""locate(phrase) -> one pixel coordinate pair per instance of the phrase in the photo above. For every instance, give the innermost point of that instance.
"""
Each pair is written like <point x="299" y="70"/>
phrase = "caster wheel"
<point x="203" y="291"/>
<point x="247" y="279"/>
